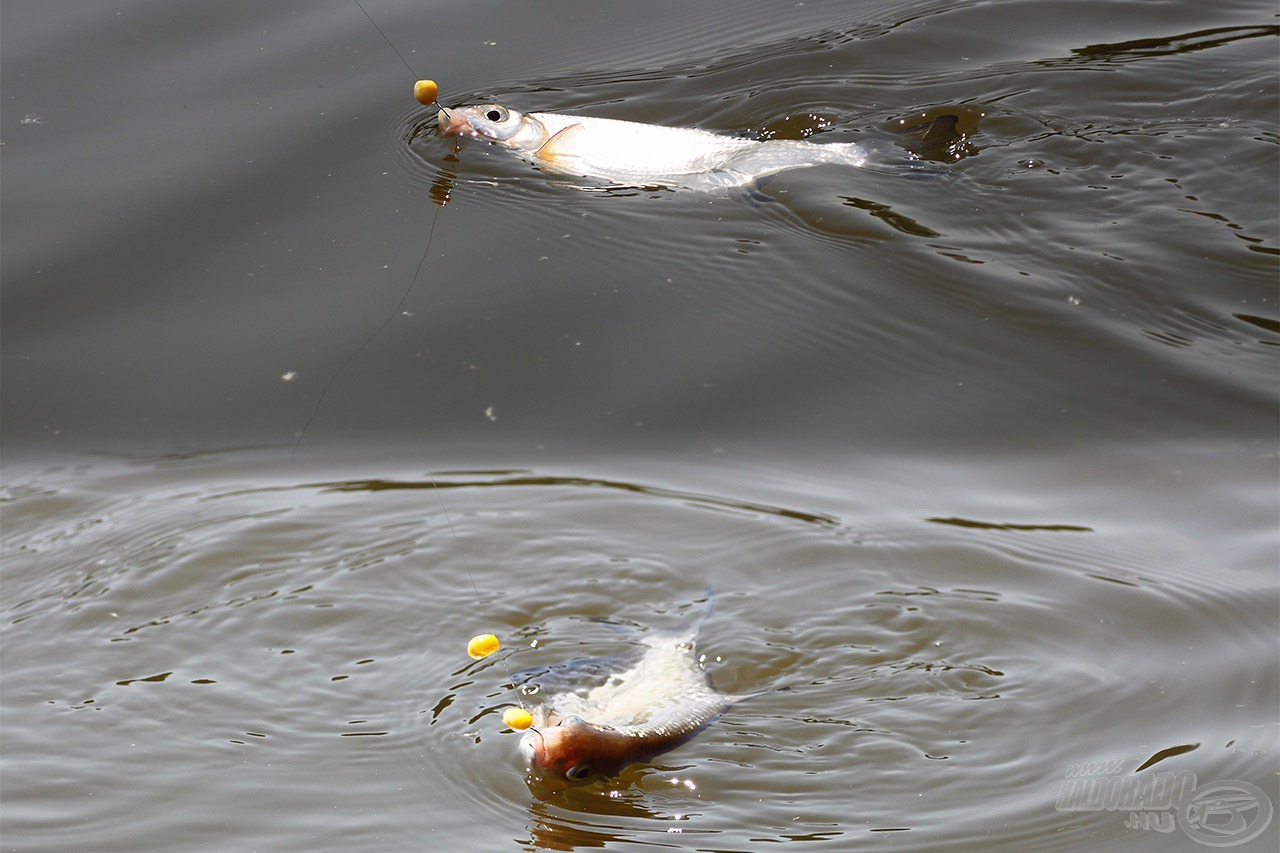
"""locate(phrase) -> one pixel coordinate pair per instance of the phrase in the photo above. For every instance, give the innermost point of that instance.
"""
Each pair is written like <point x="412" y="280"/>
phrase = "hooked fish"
<point x="600" y="715"/>
<point x="635" y="154"/>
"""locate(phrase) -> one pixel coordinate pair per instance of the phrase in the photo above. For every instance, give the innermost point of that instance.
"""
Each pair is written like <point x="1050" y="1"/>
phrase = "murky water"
<point x="981" y="467"/>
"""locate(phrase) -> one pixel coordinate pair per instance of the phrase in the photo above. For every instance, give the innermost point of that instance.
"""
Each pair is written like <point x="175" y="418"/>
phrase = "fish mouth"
<point x="455" y="124"/>
<point x="537" y="770"/>
<point x="528" y="749"/>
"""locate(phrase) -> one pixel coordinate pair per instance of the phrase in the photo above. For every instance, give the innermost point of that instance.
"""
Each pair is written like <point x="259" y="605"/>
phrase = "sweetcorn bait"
<point x="426" y="92"/>
<point x="482" y="646"/>
<point x="517" y="719"/>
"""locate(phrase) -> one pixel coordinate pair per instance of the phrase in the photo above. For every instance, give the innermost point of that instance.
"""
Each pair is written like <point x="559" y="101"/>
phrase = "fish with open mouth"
<point x="632" y="153"/>
<point x="597" y="716"/>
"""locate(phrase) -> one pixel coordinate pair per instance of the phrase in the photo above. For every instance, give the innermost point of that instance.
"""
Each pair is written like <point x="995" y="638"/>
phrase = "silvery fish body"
<point x="636" y="154"/>
<point x="594" y="716"/>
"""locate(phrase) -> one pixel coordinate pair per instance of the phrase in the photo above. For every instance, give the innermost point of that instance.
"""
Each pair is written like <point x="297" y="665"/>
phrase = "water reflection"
<point x="442" y="185"/>
<point x="897" y="221"/>
<point x="476" y="479"/>
<point x="598" y="816"/>
<point x="1175" y="44"/>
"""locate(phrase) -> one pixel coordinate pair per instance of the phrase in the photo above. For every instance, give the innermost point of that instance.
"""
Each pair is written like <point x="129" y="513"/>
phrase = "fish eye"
<point x="496" y="114"/>
<point x="578" y="772"/>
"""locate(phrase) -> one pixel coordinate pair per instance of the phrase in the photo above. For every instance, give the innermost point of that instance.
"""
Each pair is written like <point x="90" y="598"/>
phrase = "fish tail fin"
<point x="893" y="160"/>
<point x="692" y="628"/>
<point x="936" y="133"/>
<point x="934" y="137"/>
<point x="623" y="628"/>
<point x="746" y="697"/>
<point x="708" y="602"/>
<point x="690" y="631"/>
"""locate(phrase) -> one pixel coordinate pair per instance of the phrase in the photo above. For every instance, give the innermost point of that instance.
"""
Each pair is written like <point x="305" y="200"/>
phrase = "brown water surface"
<point x="980" y="465"/>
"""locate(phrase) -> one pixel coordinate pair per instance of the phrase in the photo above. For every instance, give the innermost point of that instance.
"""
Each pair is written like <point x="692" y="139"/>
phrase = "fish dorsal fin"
<point x="560" y="143"/>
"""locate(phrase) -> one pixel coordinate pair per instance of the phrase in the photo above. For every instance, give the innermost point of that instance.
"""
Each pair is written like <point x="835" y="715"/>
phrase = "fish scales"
<point x="662" y="689"/>
<point x="631" y="152"/>
<point x="634" y="153"/>
<point x="620" y="710"/>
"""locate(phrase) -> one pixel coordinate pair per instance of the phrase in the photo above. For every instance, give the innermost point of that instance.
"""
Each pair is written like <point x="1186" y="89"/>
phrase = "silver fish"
<point x="599" y="715"/>
<point x="630" y="153"/>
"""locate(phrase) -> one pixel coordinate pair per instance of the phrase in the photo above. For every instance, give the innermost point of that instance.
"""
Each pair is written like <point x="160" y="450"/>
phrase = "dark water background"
<point x="983" y="466"/>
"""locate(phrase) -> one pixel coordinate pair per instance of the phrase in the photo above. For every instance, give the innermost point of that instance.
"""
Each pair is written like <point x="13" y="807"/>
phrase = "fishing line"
<point x="435" y="486"/>
<point x="395" y="313"/>
<point x="387" y="40"/>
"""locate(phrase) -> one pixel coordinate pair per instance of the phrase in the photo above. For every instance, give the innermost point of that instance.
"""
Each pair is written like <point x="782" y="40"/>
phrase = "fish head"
<point x="493" y="123"/>
<point x="575" y="752"/>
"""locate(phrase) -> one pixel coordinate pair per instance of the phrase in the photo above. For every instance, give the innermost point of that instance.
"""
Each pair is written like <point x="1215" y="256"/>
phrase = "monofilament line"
<point x="435" y="486"/>
<point x="399" y="309"/>
<point x="387" y="40"/>
<point x="466" y="562"/>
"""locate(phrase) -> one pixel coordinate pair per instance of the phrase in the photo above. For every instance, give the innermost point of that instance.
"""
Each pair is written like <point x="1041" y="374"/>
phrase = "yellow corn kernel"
<point x="482" y="646"/>
<point x="517" y="718"/>
<point x="426" y="91"/>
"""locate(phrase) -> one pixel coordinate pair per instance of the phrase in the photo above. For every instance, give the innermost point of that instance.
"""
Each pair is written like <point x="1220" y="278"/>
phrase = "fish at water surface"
<point x="631" y="153"/>
<point x="596" y="716"/>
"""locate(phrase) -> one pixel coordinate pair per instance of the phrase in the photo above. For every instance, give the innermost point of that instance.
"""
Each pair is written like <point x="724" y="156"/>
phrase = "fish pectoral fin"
<point x="559" y="145"/>
<point x="753" y="195"/>
<point x="730" y="179"/>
